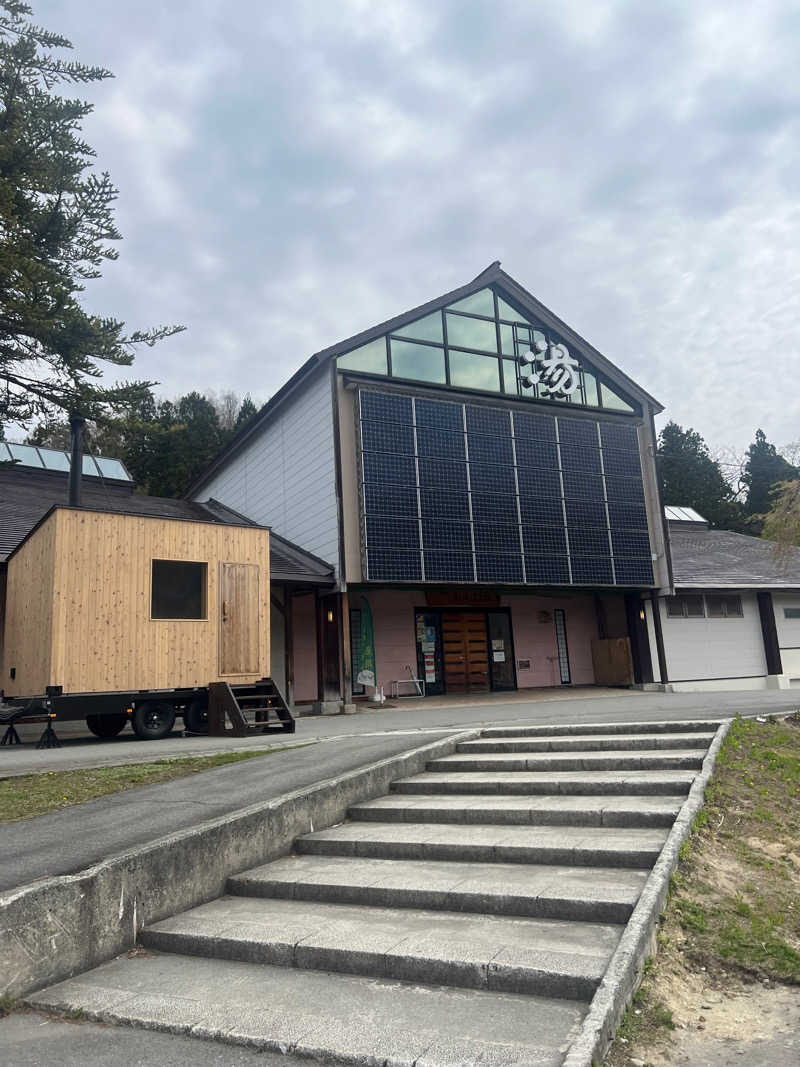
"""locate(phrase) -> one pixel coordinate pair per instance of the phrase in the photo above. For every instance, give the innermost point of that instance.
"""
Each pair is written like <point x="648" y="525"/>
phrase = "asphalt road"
<point x="81" y="749"/>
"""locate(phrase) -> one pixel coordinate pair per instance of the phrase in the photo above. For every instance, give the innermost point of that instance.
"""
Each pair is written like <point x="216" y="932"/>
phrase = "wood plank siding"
<point x="79" y="602"/>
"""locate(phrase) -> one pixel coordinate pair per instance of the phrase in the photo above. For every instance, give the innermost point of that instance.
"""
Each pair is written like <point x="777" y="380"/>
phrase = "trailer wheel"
<point x="195" y="716"/>
<point x="106" y="725"/>
<point x="153" y="720"/>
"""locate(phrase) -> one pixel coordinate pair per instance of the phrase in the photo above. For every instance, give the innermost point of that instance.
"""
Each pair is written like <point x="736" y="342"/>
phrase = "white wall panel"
<point x="714" y="648"/>
<point x="788" y="629"/>
<point x="285" y="476"/>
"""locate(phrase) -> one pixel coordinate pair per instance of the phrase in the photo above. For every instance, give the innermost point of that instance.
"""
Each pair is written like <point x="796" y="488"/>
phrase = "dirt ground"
<point x="724" y="987"/>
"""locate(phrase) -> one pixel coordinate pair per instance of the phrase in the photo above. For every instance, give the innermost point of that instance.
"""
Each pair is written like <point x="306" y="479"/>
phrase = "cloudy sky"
<point x="291" y="173"/>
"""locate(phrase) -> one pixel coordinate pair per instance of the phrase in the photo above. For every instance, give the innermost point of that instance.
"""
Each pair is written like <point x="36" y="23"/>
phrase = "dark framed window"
<point x="685" y="607"/>
<point x="724" y="607"/>
<point x="178" y="589"/>
<point x="791" y="613"/>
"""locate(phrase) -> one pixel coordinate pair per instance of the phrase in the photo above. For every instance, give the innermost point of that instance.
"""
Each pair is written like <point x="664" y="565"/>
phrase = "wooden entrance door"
<point x="238" y="602"/>
<point x="465" y="653"/>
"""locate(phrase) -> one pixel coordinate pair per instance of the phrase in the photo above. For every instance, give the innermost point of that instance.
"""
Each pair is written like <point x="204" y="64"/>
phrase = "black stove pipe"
<point x="76" y="425"/>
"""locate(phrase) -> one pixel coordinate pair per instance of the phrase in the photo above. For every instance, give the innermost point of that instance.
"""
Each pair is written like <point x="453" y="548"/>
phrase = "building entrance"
<point x="465" y="651"/>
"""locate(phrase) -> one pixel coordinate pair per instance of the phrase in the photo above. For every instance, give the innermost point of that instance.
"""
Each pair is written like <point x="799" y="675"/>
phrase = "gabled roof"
<point x="27" y="498"/>
<point x="493" y="275"/>
<point x="718" y="559"/>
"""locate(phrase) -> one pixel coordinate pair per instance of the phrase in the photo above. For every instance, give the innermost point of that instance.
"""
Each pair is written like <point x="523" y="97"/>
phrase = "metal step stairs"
<point x="257" y="707"/>
<point x="467" y="917"/>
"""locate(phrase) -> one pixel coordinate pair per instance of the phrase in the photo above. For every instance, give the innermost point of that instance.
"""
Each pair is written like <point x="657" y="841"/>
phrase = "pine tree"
<point x="56" y="232"/>
<point x="691" y="478"/>
<point x="764" y="469"/>
<point x="247" y="410"/>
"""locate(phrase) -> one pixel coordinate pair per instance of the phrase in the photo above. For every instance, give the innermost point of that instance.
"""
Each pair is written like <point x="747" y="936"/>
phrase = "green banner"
<point x="366" y="650"/>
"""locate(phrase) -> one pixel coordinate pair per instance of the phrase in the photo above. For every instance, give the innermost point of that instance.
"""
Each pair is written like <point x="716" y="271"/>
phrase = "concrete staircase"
<point x="465" y="918"/>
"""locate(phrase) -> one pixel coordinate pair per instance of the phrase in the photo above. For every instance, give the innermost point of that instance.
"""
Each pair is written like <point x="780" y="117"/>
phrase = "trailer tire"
<point x="153" y="719"/>
<point x="195" y="716"/>
<point x="106" y="726"/>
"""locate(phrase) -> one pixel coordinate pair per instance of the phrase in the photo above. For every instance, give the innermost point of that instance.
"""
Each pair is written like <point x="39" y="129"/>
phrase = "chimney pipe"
<point x="76" y="425"/>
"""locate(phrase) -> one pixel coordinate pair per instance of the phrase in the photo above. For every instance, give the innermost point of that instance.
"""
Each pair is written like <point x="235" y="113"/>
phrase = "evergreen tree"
<point x="56" y="231"/>
<point x="247" y="410"/>
<point x="764" y="469"/>
<point x="782" y="521"/>
<point x="691" y="478"/>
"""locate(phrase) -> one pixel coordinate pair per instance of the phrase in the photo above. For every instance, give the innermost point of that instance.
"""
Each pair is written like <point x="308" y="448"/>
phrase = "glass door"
<point x="429" y="651"/>
<point x="501" y="650"/>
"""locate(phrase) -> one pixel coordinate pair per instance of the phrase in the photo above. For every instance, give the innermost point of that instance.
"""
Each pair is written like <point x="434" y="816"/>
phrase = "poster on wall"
<point x="366" y="655"/>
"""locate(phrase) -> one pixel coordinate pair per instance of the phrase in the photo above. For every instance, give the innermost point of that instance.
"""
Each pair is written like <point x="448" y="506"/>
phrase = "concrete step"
<point x="335" y="1018"/>
<point x="565" y="729"/>
<point x="544" y="783"/>
<point x="583" y="894"/>
<point x="536" y="811"/>
<point x="589" y="743"/>
<point x="585" y="846"/>
<point x="543" y="957"/>
<point x="617" y="760"/>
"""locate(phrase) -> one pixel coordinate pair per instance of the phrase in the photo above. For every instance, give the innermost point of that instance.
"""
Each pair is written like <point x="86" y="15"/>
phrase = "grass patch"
<point x="28" y="795"/>
<point x="733" y="914"/>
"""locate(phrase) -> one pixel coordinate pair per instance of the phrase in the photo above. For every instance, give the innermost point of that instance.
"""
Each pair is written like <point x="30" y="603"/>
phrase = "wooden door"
<point x="465" y="653"/>
<point x="238" y="602"/>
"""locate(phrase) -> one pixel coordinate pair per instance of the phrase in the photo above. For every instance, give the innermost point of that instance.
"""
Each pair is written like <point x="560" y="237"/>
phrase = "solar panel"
<point x="535" y="483"/>
<point x="440" y="444"/>
<point x="496" y="537"/>
<point x="491" y="507"/>
<point x="439" y="414"/>
<point x="455" y="536"/>
<point x="614" y="435"/>
<point x="581" y="486"/>
<point x="490" y="449"/>
<point x="542" y="570"/>
<point x="387" y="437"/>
<point x="625" y="490"/>
<point x="445" y="505"/>
<point x="393" y="566"/>
<point x="499" y="568"/>
<point x="544" y="540"/>
<point x="630" y="543"/>
<point x="617" y="462"/>
<point x="381" y="468"/>
<point x="393" y="407"/>
<point x="537" y="427"/>
<point x="392" y="532"/>
<point x="536" y="452"/>
<point x="487" y="479"/>
<point x="492" y="421"/>
<point x="584" y="541"/>
<point x="449" y="567"/>
<point x="592" y="570"/>
<point x="434" y="472"/>
<point x="633" y="571"/>
<point x="580" y="458"/>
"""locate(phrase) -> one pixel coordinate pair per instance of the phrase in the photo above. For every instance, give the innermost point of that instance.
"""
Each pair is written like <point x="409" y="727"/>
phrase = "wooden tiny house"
<point x="101" y="601"/>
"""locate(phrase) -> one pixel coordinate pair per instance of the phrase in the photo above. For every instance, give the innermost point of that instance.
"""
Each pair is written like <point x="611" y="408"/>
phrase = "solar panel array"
<point x="457" y="492"/>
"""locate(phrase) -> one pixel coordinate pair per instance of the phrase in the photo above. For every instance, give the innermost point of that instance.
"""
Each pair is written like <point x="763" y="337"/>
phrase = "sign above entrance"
<point x="442" y="598"/>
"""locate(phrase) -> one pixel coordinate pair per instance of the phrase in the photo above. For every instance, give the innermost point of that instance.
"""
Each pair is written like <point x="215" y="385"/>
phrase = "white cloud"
<point x="291" y="174"/>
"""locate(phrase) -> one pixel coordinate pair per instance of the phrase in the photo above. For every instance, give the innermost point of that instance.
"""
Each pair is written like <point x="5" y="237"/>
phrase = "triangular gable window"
<point x="468" y="345"/>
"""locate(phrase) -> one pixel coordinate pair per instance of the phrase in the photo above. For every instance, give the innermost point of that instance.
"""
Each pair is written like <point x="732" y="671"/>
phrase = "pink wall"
<point x="304" y="635"/>
<point x="536" y="640"/>
<point x="393" y="621"/>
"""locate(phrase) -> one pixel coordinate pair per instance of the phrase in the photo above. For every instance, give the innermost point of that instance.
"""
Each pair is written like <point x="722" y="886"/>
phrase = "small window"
<point x="685" y="607"/>
<point x="178" y="589"/>
<point x="791" y="613"/>
<point x="724" y="607"/>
